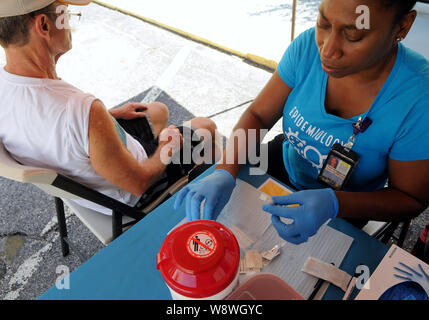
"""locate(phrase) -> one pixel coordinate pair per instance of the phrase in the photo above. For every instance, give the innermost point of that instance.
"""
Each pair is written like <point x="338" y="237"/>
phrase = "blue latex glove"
<point x="315" y="208"/>
<point x="215" y="188"/>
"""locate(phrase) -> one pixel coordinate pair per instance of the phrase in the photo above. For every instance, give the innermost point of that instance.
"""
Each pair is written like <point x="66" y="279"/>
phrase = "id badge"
<point x="338" y="167"/>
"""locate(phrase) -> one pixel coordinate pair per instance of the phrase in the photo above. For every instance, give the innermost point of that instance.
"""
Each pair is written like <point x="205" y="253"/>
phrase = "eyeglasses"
<point x="74" y="18"/>
<point x="66" y="19"/>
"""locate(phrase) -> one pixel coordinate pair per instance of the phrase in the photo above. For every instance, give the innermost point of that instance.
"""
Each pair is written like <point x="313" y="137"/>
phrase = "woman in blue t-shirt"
<point x="355" y="108"/>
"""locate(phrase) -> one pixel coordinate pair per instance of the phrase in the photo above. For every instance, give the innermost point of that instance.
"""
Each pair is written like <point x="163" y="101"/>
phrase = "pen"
<point x="316" y="289"/>
<point x="353" y="289"/>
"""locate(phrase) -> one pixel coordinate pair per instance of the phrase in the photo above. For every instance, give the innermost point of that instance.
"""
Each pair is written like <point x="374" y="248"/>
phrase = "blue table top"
<point x="126" y="268"/>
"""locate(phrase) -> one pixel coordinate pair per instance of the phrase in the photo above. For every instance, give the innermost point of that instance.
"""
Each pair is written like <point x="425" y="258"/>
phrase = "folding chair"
<point x="105" y="228"/>
<point x="384" y="231"/>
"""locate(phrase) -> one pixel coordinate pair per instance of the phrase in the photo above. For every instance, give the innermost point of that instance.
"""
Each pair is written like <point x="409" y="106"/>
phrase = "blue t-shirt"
<point x="400" y="115"/>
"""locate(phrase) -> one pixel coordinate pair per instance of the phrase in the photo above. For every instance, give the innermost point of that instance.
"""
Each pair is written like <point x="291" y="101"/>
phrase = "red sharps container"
<point x="200" y="260"/>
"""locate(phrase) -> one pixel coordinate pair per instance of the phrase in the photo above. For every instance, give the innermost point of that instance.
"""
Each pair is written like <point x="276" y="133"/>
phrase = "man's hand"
<point x="129" y="111"/>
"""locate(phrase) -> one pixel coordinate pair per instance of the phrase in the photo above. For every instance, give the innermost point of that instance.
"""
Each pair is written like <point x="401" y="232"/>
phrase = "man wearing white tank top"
<point x="46" y="122"/>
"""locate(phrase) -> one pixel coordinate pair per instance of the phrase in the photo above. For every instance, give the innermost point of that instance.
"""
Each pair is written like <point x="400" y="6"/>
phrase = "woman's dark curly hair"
<point x="402" y="6"/>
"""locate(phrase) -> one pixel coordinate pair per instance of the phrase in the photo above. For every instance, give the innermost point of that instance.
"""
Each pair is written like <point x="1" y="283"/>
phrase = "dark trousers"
<point x="141" y="130"/>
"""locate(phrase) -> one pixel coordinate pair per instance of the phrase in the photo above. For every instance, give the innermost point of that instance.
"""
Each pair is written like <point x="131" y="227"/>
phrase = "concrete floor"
<point x="119" y="58"/>
<point x="116" y="58"/>
<point x="257" y="27"/>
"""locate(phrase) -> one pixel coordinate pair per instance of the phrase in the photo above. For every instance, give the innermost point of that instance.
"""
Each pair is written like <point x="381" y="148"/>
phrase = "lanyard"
<point x="358" y="127"/>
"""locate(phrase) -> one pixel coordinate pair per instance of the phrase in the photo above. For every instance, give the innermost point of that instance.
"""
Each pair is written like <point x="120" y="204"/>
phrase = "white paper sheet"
<point x="244" y="211"/>
<point x="328" y="245"/>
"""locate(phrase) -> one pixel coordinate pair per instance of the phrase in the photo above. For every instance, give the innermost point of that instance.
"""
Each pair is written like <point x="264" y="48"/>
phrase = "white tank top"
<point x="44" y="123"/>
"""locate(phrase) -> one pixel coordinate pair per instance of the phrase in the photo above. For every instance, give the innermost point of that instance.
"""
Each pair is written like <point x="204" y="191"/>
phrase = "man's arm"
<point x="406" y="196"/>
<point x="113" y="161"/>
<point x="263" y="113"/>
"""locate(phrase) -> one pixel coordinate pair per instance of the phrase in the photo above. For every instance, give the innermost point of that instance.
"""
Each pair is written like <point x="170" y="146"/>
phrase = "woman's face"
<point x="345" y="47"/>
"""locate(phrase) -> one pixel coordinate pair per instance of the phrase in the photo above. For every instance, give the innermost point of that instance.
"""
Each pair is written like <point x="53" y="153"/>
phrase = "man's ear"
<point x="41" y="25"/>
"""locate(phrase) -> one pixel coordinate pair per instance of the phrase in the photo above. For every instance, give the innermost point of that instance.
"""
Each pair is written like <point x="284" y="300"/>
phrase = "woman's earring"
<point x="398" y="39"/>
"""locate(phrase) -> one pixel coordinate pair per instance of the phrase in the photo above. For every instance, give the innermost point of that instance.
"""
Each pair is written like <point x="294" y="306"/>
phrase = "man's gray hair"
<point x="15" y="30"/>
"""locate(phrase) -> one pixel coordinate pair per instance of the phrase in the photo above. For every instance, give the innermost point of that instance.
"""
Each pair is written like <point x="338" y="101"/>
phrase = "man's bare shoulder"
<point x="97" y="106"/>
<point x="98" y="114"/>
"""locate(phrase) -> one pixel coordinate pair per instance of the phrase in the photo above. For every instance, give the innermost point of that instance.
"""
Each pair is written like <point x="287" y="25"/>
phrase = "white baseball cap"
<point x="10" y="8"/>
